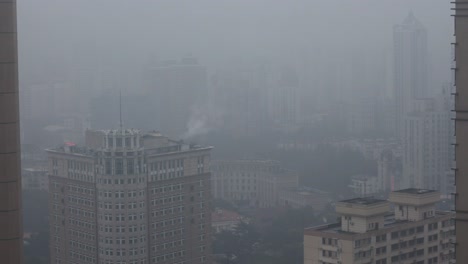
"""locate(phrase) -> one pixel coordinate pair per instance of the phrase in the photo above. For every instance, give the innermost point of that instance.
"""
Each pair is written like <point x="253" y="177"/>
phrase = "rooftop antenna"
<point x="120" y="107"/>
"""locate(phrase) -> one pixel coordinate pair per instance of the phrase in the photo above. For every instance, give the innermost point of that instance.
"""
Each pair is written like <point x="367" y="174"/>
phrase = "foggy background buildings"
<point x="354" y="97"/>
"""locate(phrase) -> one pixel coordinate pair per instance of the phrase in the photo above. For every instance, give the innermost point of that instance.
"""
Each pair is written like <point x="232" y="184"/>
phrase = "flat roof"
<point x="389" y="222"/>
<point x="415" y="191"/>
<point x="363" y="201"/>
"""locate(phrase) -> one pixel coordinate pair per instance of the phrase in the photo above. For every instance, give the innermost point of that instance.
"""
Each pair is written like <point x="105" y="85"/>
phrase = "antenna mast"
<point x="120" y="108"/>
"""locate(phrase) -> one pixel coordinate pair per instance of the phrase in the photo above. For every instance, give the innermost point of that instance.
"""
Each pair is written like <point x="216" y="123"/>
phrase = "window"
<point x="420" y="229"/>
<point x="108" y="166"/>
<point x="118" y="166"/>
<point x="130" y="166"/>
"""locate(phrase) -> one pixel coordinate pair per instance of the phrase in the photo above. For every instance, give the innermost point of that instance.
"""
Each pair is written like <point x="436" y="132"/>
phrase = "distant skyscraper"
<point x="240" y="95"/>
<point x="410" y="66"/>
<point x="128" y="197"/>
<point x="178" y="89"/>
<point x="11" y="234"/>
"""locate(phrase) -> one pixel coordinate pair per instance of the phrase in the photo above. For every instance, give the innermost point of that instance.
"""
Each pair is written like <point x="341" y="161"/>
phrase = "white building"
<point x="254" y="182"/>
<point x="427" y="149"/>
<point x="364" y="185"/>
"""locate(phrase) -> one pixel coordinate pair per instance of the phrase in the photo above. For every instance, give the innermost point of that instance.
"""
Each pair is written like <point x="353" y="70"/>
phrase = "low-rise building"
<point x="303" y="197"/>
<point x="369" y="233"/>
<point x="225" y="220"/>
<point x="255" y="182"/>
<point x="364" y="185"/>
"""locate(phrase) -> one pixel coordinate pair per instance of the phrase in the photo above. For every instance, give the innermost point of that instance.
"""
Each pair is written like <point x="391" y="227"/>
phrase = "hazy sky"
<point x="64" y="33"/>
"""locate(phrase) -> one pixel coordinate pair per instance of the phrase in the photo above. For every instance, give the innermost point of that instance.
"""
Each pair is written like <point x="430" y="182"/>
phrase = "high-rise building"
<point x="368" y="232"/>
<point x="427" y="145"/>
<point x="128" y="197"/>
<point x="410" y="66"/>
<point x="461" y="129"/>
<point x="10" y="181"/>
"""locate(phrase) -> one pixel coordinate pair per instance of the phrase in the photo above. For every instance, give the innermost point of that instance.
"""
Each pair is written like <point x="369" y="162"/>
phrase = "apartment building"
<point x="368" y="233"/>
<point x="254" y="182"/>
<point x="129" y="197"/>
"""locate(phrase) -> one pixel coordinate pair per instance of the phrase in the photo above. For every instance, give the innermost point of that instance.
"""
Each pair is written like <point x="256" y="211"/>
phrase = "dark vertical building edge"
<point x="461" y="129"/>
<point x="11" y="234"/>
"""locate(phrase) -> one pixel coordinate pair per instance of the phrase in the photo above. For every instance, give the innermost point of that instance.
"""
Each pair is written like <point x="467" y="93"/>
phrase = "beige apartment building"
<point x="255" y="182"/>
<point x="368" y="233"/>
<point x="129" y="198"/>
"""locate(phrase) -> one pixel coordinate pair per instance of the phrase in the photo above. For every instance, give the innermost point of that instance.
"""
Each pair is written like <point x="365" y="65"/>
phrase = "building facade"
<point x="128" y="197"/>
<point x="254" y="182"/>
<point x="369" y="233"/>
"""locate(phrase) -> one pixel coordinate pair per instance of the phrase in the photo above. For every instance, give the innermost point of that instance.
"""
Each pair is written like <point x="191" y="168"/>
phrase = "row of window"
<point x="170" y="256"/>
<point x="122" y="229"/>
<point x="123" y="240"/>
<point x="170" y="165"/>
<point x="121" y="194"/>
<point x="169" y="245"/>
<point x="409" y="243"/>
<point x="82" y="224"/>
<point x="170" y="233"/>
<point x="81" y="246"/>
<point x="80" y="177"/>
<point x="169" y="222"/>
<point x="168" y="211"/>
<point x="167" y="200"/>
<point x="121" y="252"/>
<point x="167" y="188"/>
<point x="80" y="212"/>
<point x="81" y="257"/>
<point x="121" y="181"/>
<point x="404" y="256"/>
<point x="80" y="201"/>
<point x="407" y="232"/>
<point x="121" y="217"/>
<point x="80" y="189"/>
<point x="81" y="235"/>
<point x="138" y="261"/>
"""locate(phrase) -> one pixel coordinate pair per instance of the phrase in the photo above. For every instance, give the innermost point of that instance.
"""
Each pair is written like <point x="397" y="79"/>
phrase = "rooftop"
<point x="415" y="191"/>
<point x="364" y="201"/>
<point x="389" y="222"/>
